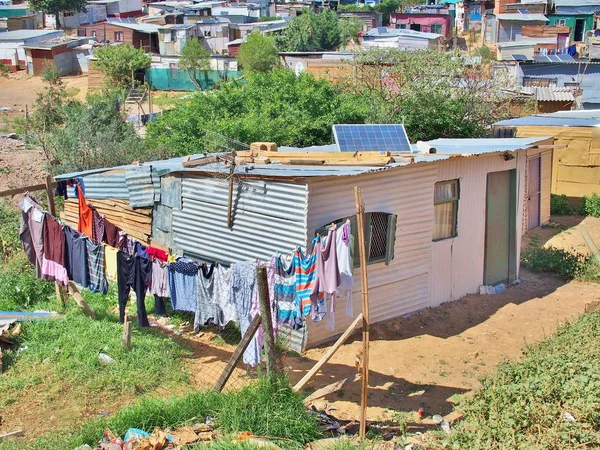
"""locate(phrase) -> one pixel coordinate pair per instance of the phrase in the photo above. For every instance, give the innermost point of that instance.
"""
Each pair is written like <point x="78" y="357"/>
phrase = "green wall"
<point x="13" y="12"/>
<point x="570" y="22"/>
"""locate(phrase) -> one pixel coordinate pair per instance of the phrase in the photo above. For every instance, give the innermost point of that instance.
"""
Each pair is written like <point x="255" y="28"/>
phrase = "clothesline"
<point x="216" y="295"/>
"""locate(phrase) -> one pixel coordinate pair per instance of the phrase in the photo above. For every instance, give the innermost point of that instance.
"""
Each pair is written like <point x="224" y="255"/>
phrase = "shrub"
<point x="19" y="287"/>
<point x="591" y="205"/>
<point x="10" y="243"/>
<point x="561" y="262"/>
<point x="4" y="69"/>
<point x="559" y="204"/>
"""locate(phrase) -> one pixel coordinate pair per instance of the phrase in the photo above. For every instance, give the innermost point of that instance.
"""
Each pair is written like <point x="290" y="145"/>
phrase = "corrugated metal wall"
<point x="106" y="185"/>
<point x="268" y="217"/>
<point x="403" y="286"/>
<point x="457" y="263"/>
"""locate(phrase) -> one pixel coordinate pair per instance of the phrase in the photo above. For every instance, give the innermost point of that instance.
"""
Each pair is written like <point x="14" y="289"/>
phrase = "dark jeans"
<point x="133" y="272"/>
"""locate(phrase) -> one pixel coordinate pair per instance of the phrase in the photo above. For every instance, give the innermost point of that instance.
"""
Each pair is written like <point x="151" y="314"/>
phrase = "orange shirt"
<point x="86" y="223"/>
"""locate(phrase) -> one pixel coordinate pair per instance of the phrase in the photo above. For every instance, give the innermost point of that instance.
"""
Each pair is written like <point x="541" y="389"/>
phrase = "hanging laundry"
<point x="306" y="273"/>
<point x="133" y="272"/>
<point x="62" y="189"/>
<point x="226" y="309"/>
<point x="98" y="228"/>
<point x="140" y="250"/>
<point x="343" y="249"/>
<point x="95" y="259"/>
<point x="284" y="294"/>
<point x="110" y="262"/>
<point x="183" y="285"/>
<point x="127" y="243"/>
<point x="31" y="232"/>
<point x="85" y="224"/>
<point x="328" y="274"/>
<point x="243" y="287"/>
<point x="160" y="286"/>
<point x="111" y="234"/>
<point x="76" y="261"/>
<point x="157" y="253"/>
<point x="206" y="310"/>
<point x="54" y="252"/>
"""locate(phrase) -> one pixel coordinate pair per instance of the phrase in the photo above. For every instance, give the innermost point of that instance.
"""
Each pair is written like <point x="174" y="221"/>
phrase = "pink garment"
<point x="54" y="272"/>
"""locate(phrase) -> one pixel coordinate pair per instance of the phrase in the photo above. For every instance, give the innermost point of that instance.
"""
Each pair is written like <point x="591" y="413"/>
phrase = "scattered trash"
<point x="135" y="433"/>
<point x="568" y="417"/>
<point x="491" y="290"/>
<point x="5" y="109"/>
<point x="437" y="419"/>
<point x="445" y="426"/>
<point x="23" y="348"/>
<point x="421" y="413"/>
<point x="515" y="282"/>
<point x="83" y="447"/>
<point x="104" y="358"/>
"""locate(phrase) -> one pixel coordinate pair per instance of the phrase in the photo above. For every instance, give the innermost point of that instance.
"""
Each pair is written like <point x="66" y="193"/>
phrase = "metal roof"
<point x="587" y="118"/>
<point x="148" y="28"/>
<point x="393" y="32"/>
<point x="527" y="42"/>
<point x="20" y="35"/>
<point x="559" y="3"/>
<point x="548" y="94"/>
<point x="473" y="147"/>
<point x="523" y="17"/>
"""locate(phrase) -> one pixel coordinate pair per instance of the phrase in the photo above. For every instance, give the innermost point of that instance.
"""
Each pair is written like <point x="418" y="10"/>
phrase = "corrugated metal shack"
<point x="576" y="160"/>
<point x="445" y="196"/>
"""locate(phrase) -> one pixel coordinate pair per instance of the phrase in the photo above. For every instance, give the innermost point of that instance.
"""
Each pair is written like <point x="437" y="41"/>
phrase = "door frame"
<point x="512" y="234"/>
<point x="539" y="190"/>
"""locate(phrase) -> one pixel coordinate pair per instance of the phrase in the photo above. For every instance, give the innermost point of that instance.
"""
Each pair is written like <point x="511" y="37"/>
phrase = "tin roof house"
<point x="443" y="217"/>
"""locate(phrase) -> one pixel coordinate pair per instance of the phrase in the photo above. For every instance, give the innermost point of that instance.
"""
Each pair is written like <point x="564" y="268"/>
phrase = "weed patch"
<point x="563" y="263"/>
<point x="522" y="404"/>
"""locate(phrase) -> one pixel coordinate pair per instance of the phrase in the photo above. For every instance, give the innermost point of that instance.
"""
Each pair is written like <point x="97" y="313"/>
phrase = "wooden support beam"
<point x="230" y="193"/>
<point x="22" y="190"/>
<point x="265" y="313"/>
<point x="364" y="288"/>
<point x="239" y="351"/>
<point x="327" y="356"/>
<point x="127" y="333"/>
<point x="329" y="389"/>
<point x="12" y="434"/>
<point x="200" y="161"/>
<point x="80" y="301"/>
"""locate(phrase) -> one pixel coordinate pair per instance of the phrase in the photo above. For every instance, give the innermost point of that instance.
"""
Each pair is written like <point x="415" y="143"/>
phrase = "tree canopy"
<point x="258" y="53"/>
<point x="57" y="6"/>
<point x="435" y="94"/>
<point x="317" y="32"/>
<point x="119" y="63"/>
<point x="194" y="58"/>
<point x="273" y="106"/>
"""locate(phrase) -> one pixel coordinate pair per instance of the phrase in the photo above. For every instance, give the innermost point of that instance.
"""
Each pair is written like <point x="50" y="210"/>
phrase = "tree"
<point x="275" y="106"/>
<point x="120" y="62"/>
<point x="314" y="32"/>
<point x="258" y="53"/>
<point x="57" y="6"/>
<point x="194" y="58"/>
<point x="389" y="6"/>
<point x="349" y="29"/>
<point x="434" y="94"/>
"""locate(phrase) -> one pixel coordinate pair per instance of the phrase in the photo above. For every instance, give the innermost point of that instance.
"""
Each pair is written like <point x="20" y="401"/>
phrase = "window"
<point x="401" y="26"/>
<point x="81" y="32"/>
<point x="560" y="22"/>
<point x="380" y="237"/>
<point x="68" y="14"/>
<point x="119" y="36"/>
<point x="445" y="205"/>
<point x="540" y="82"/>
<point x="436" y="28"/>
<point x="94" y="33"/>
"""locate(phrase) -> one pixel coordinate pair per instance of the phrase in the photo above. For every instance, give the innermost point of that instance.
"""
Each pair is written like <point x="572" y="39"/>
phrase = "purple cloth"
<point x="346" y="232"/>
<point x="328" y="272"/>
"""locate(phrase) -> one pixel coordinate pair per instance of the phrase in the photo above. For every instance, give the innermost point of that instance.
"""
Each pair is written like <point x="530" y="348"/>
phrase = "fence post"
<point x="266" y="320"/>
<point x="364" y="287"/>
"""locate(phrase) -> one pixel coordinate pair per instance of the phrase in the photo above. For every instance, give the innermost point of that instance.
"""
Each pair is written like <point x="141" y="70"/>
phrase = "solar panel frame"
<point x="565" y="58"/>
<point x="554" y="58"/>
<point x="520" y="57"/>
<point x="371" y="137"/>
<point x="541" y="59"/>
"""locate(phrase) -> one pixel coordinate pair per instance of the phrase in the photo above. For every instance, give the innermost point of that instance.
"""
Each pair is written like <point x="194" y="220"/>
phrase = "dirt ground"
<point x="19" y="166"/>
<point x="19" y="89"/>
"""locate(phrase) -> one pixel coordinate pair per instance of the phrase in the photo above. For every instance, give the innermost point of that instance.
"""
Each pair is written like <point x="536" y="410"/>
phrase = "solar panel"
<point x="523" y="11"/>
<point x="565" y="58"/>
<point x="520" y="57"/>
<point x="541" y="59"/>
<point x="384" y="138"/>
<point x="554" y="58"/>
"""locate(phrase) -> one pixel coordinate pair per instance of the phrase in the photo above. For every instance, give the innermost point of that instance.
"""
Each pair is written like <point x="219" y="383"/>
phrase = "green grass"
<point x="268" y="408"/>
<point x="521" y="404"/>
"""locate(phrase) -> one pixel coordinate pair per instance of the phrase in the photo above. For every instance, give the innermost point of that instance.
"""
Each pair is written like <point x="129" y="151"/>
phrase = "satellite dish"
<point x="299" y="68"/>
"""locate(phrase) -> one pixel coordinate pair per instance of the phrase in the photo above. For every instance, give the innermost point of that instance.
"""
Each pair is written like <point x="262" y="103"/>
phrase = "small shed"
<point x="67" y="54"/>
<point x="401" y="39"/>
<point x="445" y="217"/>
<point x="576" y="160"/>
<point x="12" y="51"/>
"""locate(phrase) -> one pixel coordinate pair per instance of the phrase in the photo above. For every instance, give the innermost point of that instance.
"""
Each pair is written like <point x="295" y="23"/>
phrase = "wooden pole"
<point x="127" y="333"/>
<point x="266" y="320"/>
<point x="327" y="356"/>
<point x="364" y="287"/>
<point x="230" y="198"/>
<point x="79" y="300"/>
<point x="51" y="206"/>
<point x="22" y="190"/>
<point x="237" y="354"/>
